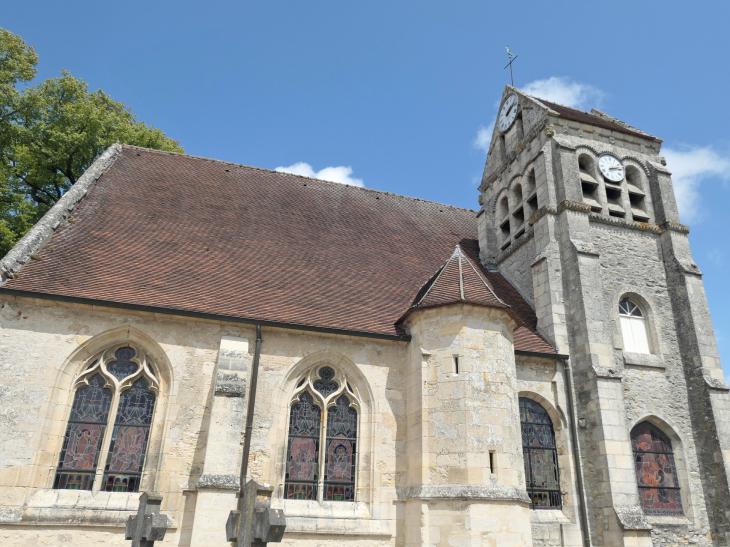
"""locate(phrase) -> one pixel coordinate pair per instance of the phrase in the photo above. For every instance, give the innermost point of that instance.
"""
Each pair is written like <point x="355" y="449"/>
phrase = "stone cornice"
<point x="575" y="205"/>
<point x="632" y="517"/>
<point x="494" y="492"/>
<point x="217" y="481"/>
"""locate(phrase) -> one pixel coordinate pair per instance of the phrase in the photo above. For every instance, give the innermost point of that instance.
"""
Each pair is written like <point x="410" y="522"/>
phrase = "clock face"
<point x="611" y="168"/>
<point x="507" y="113"/>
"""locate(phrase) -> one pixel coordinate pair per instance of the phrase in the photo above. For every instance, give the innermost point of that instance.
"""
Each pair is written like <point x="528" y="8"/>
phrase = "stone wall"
<point x="194" y="453"/>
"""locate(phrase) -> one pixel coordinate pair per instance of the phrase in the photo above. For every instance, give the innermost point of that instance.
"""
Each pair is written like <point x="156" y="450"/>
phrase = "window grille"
<point x="542" y="475"/>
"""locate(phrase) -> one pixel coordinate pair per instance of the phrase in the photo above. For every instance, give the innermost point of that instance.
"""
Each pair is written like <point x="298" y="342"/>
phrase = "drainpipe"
<point x="576" y="456"/>
<point x="249" y="415"/>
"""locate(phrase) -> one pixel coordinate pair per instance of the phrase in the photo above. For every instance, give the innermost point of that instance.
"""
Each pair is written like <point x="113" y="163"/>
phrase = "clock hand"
<point x="615" y="167"/>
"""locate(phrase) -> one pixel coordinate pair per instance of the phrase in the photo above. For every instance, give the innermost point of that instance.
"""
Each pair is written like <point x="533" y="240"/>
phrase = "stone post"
<point x="218" y="485"/>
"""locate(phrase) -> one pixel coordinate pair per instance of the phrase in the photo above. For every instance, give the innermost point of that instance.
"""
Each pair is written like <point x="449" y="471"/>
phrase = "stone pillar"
<point x="219" y="483"/>
<point x="709" y="403"/>
<point x="466" y="482"/>
<point x="610" y="480"/>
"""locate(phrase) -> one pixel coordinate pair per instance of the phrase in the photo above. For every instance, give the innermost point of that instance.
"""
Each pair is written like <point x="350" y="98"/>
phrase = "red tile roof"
<point x="457" y="281"/>
<point x="188" y="234"/>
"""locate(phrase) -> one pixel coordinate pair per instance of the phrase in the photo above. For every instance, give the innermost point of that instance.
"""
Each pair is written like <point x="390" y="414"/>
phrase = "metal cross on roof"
<point x="149" y="525"/>
<point x="512" y="57"/>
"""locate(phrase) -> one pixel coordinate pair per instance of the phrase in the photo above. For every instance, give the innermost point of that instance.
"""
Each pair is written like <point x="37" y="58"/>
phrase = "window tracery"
<point x="321" y="461"/>
<point x="542" y="475"/>
<point x="656" y="472"/>
<point x="119" y="383"/>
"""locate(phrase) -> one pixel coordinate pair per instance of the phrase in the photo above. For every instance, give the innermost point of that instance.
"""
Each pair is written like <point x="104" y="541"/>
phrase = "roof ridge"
<point x="468" y="261"/>
<point x="433" y="283"/>
<point x="131" y="146"/>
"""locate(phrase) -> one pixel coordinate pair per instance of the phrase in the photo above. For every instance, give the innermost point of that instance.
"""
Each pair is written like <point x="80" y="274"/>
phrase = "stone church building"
<point x="540" y="371"/>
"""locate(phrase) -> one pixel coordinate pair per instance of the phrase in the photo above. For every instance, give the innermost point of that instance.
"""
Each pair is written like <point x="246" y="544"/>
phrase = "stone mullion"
<point x="322" y="451"/>
<point x="104" y="453"/>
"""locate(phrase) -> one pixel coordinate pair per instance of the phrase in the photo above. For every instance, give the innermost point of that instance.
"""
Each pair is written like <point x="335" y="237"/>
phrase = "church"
<point x="539" y="371"/>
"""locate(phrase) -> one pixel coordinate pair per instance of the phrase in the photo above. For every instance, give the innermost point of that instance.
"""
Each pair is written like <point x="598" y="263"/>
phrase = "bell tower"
<point x="579" y="214"/>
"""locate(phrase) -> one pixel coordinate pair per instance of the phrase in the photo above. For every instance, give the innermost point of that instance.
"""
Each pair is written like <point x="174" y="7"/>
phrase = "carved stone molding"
<point x="495" y="492"/>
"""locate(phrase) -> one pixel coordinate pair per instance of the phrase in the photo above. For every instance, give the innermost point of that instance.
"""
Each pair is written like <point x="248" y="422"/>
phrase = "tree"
<point x="52" y="132"/>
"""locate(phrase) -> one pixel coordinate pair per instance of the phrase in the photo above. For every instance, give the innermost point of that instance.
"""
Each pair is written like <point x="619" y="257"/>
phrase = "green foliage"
<point x="51" y="133"/>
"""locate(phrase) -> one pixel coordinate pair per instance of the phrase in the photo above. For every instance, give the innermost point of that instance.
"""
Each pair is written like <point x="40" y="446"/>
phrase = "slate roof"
<point x="181" y="233"/>
<point x="584" y="117"/>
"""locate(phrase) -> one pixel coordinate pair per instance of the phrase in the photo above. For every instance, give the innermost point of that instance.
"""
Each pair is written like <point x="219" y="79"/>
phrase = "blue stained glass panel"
<point x="123" y="366"/>
<point x="326" y="384"/>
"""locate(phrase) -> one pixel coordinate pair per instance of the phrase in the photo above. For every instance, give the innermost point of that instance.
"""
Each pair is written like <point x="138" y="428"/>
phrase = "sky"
<point x="398" y="96"/>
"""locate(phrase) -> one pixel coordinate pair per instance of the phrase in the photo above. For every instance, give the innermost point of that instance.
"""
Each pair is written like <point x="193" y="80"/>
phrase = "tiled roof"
<point x="187" y="234"/>
<point x="584" y="117"/>
<point x="457" y="281"/>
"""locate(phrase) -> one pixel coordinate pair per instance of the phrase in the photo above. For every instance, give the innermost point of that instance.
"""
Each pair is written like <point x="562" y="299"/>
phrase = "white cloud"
<point x="690" y="167"/>
<point x="564" y="91"/>
<point x="484" y="137"/>
<point x="555" y="89"/>
<point x="339" y="174"/>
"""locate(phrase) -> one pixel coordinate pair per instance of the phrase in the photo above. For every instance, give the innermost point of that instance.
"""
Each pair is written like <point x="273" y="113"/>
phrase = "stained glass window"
<point x="123" y="366"/>
<point x="302" y="465"/>
<point x="540" y="456"/>
<point x="129" y="440"/>
<point x="330" y="476"/>
<point x="87" y="434"/>
<point x="339" y="474"/>
<point x="84" y="435"/>
<point x="326" y="385"/>
<point x="656" y="473"/>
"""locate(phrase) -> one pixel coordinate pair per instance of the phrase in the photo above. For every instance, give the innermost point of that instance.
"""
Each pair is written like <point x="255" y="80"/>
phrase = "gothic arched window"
<point x="321" y="461"/>
<point x="120" y="382"/>
<point x="656" y="473"/>
<point x="540" y="455"/>
<point x="633" y="327"/>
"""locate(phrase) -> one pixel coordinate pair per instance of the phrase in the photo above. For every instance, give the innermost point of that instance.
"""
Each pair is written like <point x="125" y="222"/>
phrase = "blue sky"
<point x="392" y="95"/>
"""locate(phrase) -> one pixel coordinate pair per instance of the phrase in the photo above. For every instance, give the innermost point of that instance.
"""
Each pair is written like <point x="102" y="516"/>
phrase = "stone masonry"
<point x="439" y="458"/>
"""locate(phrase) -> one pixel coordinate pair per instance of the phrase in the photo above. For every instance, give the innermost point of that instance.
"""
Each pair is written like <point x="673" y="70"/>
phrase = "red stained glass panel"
<point x="656" y="473"/>
<point x="84" y="435"/>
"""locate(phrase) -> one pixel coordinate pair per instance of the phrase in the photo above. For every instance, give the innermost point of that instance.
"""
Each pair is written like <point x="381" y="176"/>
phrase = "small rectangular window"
<point x="491" y="462"/>
<point x="456" y="364"/>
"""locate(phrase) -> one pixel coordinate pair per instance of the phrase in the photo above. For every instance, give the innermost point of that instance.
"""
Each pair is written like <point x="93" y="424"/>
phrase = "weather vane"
<point x="512" y="57"/>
